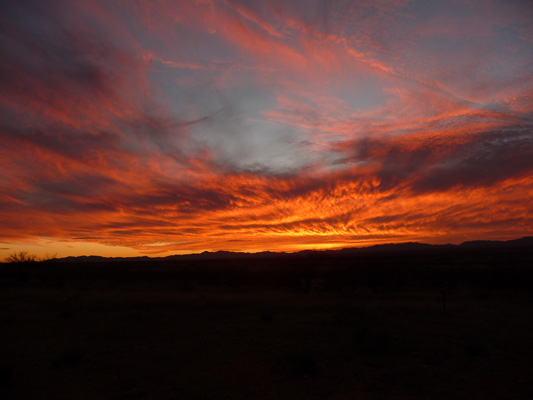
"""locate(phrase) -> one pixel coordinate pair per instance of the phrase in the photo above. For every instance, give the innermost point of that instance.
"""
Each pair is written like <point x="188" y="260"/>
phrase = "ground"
<point x="147" y="334"/>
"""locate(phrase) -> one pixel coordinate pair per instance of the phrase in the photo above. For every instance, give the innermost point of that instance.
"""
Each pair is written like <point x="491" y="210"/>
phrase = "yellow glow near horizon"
<point x="43" y="248"/>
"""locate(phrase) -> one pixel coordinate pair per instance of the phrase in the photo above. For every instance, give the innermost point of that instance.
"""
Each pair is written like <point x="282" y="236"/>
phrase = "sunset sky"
<point x="169" y="127"/>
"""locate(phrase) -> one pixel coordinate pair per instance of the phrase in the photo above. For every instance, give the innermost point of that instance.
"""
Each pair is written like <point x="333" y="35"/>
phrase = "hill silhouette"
<point x="408" y="247"/>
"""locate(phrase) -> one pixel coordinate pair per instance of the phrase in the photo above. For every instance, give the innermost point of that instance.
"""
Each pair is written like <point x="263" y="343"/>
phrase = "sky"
<point x="172" y="127"/>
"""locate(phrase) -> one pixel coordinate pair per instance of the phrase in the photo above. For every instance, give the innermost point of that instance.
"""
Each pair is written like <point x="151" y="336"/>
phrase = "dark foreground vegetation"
<point x="420" y="324"/>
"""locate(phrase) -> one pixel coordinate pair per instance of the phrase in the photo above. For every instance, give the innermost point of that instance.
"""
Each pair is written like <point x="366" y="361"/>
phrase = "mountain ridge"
<point x="524" y="242"/>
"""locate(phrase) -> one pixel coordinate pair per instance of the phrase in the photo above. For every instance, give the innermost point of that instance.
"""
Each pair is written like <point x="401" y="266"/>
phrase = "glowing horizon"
<point x="156" y="128"/>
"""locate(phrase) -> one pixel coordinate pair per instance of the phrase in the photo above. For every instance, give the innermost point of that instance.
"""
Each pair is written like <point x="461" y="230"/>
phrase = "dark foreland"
<point x="399" y="321"/>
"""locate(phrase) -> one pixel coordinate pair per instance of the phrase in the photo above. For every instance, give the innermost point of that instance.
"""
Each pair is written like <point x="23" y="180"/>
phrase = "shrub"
<point x="21" y="257"/>
<point x="25" y="257"/>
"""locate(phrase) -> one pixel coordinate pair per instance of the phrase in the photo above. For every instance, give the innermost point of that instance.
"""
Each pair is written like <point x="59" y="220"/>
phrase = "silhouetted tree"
<point x="48" y="257"/>
<point x="21" y="257"/>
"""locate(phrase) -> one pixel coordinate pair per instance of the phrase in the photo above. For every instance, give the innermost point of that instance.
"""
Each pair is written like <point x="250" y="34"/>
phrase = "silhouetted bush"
<point x="21" y="257"/>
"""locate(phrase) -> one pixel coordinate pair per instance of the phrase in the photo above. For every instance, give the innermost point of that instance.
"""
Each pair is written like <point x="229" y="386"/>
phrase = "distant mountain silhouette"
<point x="523" y="243"/>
